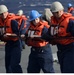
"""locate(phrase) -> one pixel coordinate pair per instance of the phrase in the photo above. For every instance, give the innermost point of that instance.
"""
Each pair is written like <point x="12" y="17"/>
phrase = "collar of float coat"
<point x="65" y="15"/>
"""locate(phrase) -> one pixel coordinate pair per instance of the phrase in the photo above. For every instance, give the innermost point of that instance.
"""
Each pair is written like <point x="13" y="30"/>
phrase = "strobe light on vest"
<point x="2" y="30"/>
<point x="54" y="30"/>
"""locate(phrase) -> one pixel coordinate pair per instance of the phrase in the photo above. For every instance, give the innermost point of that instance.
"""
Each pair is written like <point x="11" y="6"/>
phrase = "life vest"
<point x="36" y="30"/>
<point x="5" y="27"/>
<point x="20" y="20"/>
<point x="71" y="10"/>
<point x="62" y="29"/>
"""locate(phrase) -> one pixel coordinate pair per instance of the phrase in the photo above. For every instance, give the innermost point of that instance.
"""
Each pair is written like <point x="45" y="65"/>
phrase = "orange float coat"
<point x="19" y="20"/>
<point x="62" y="30"/>
<point x="7" y="26"/>
<point x="70" y="9"/>
<point x="37" y="30"/>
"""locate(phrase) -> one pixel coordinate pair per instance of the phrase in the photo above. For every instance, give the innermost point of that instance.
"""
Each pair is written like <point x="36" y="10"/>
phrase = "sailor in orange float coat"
<point x="41" y="54"/>
<point x="61" y="33"/>
<point x="12" y="46"/>
<point x="70" y="9"/>
<point x="22" y="25"/>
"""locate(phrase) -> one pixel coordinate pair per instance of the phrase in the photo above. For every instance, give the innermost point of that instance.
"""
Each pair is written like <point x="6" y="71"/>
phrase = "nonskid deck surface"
<point x="24" y="59"/>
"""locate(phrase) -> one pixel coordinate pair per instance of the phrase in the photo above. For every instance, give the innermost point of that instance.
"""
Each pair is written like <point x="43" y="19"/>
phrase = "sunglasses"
<point x="1" y="14"/>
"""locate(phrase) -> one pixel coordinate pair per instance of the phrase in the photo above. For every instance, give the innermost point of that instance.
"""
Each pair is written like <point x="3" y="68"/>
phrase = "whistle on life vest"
<point x="2" y="30"/>
<point x="54" y="30"/>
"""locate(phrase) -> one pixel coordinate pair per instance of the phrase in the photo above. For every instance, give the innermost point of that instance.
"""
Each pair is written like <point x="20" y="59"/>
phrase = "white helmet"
<point x="3" y="9"/>
<point x="56" y="6"/>
<point x="20" y="12"/>
<point x="47" y="13"/>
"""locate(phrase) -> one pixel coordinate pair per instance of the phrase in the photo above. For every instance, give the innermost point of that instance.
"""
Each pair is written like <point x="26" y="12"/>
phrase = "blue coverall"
<point x="40" y="58"/>
<point x="13" y="52"/>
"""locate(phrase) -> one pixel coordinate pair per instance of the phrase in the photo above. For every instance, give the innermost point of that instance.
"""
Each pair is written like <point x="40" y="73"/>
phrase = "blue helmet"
<point x="69" y="5"/>
<point x="33" y="15"/>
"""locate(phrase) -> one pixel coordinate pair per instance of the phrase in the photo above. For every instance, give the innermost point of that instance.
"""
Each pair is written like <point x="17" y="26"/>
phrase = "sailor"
<point x="41" y="55"/>
<point x="9" y="26"/>
<point x="70" y="9"/>
<point x="22" y="25"/>
<point x="47" y="15"/>
<point x="61" y="33"/>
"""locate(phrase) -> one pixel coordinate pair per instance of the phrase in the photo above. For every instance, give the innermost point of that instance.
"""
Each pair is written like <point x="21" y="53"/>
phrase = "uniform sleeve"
<point x="14" y="26"/>
<point x="71" y="27"/>
<point x="23" y="27"/>
<point x="45" y="34"/>
<point x="44" y="30"/>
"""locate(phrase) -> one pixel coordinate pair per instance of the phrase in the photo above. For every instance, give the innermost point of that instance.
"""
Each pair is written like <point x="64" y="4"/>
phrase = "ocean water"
<point x="28" y="5"/>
